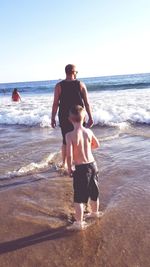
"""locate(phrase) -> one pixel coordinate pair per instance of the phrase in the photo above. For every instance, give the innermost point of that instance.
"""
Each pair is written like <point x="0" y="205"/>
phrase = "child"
<point x="80" y="143"/>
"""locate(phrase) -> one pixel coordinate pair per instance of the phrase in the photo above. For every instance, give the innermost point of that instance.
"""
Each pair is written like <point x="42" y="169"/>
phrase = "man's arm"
<point x="69" y="153"/>
<point x="55" y="104"/>
<point x="86" y="103"/>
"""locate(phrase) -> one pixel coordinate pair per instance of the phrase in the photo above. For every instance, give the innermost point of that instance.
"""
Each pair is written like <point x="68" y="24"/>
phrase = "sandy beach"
<point x="35" y="209"/>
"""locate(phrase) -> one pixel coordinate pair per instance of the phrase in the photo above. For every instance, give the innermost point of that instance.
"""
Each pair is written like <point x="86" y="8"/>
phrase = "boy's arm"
<point x="94" y="143"/>
<point x="69" y="154"/>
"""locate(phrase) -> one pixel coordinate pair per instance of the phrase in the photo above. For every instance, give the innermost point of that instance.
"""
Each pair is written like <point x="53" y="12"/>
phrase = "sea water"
<point x="30" y="152"/>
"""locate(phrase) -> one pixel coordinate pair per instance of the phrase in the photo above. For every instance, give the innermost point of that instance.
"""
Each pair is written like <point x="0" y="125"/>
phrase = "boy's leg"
<point x="94" y="205"/>
<point x="79" y="224"/>
<point x="95" y="213"/>
<point x="94" y="190"/>
<point x="79" y="211"/>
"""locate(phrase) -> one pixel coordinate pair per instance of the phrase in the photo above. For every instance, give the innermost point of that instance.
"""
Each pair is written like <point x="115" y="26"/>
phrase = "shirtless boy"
<point x="80" y="143"/>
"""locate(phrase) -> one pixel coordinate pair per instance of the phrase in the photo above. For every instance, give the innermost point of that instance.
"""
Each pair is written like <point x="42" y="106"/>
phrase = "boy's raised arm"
<point x="95" y="143"/>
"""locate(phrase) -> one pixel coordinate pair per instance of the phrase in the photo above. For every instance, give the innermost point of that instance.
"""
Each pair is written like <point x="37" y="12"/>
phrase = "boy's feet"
<point x="78" y="226"/>
<point x="97" y="214"/>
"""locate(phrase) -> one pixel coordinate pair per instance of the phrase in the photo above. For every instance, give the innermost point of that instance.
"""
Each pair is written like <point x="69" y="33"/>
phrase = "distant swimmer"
<point x="15" y="95"/>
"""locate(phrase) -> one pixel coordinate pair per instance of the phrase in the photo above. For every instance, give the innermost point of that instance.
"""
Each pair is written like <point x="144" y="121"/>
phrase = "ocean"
<point x="36" y="195"/>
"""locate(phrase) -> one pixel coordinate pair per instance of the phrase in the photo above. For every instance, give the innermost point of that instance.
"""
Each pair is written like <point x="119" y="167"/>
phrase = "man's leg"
<point x="65" y="128"/>
<point x="63" y="155"/>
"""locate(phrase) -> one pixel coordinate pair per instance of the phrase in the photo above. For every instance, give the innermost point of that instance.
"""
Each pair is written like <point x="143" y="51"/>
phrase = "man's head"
<point x="71" y="71"/>
<point x="77" y="114"/>
<point x="15" y="90"/>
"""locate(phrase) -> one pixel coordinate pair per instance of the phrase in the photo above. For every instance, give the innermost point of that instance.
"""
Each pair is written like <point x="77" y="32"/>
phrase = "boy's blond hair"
<point x="77" y="113"/>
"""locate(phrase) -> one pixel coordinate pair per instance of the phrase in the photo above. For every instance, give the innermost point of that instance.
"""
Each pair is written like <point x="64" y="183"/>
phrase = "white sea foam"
<point x="117" y="108"/>
<point x="113" y="108"/>
<point x="32" y="167"/>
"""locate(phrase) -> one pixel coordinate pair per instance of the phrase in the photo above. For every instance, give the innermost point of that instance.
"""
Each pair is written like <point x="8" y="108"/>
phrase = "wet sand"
<point x="35" y="209"/>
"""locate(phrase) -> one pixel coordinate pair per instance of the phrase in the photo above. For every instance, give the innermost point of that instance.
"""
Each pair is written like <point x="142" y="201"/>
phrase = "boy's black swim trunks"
<point x="85" y="182"/>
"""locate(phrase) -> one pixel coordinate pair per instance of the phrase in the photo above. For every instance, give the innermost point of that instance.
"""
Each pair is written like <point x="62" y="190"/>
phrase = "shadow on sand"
<point x="34" y="239"/>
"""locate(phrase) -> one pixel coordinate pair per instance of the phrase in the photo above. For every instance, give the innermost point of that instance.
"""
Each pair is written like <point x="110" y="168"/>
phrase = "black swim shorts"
<point x="85" y="182"/>
<point x="65" y="128"/>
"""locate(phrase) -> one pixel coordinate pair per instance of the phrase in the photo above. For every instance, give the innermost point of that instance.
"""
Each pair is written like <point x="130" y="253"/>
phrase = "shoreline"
<point x="35" y="208"/>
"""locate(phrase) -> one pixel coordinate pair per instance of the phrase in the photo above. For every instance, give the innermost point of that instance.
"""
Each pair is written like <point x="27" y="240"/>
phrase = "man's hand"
<point x="53" y="123"/>
<point x="70" y="173"/>
<point x="90" y="123"/>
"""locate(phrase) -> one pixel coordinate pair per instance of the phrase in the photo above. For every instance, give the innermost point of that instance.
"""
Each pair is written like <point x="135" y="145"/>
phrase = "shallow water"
<point x="38" y="200"/>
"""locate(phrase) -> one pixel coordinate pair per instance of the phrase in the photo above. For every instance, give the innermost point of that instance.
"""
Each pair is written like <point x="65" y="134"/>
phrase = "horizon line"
<point x="112" y="75"/>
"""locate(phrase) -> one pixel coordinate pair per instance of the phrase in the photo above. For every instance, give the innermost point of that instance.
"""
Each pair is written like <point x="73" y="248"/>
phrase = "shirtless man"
<point x="80" y="143"/>
<point x="68" y="93"/>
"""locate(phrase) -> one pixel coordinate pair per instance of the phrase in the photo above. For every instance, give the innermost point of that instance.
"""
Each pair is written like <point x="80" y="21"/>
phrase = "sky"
<point x="38" y="38"/>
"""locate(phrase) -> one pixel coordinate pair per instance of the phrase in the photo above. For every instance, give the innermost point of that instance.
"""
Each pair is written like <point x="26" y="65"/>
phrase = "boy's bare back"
<point x="81" y="141"/>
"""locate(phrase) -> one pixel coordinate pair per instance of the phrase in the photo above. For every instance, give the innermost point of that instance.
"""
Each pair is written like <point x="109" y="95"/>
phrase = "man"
<point x="68" y="93"/>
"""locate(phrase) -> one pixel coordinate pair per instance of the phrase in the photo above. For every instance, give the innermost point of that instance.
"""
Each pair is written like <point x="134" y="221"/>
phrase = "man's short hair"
<point x="76" y="113"/>
<point x="69" y="68"/>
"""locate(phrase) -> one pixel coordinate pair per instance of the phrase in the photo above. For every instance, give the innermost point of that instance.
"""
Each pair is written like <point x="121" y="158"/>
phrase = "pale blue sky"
<point x="39" y="37"/>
